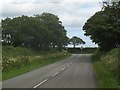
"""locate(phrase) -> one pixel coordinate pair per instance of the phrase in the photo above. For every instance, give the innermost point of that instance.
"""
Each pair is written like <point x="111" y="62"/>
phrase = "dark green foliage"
<point x="76" y="41"/>
<point x="87" y="50"/>
<point x="104" y="27"/>
<point x="19" y="60"/>
<point x="40" y="32"/>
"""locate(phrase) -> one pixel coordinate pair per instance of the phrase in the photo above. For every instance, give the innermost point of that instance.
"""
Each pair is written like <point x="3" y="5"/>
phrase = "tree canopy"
<point x="40" y="32"/>
<point x="104" y="26"/>
<point x="76" y="41"/>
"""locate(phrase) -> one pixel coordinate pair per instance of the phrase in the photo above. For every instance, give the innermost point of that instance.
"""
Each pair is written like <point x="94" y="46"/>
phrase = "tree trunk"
<point x="74" y="46"/>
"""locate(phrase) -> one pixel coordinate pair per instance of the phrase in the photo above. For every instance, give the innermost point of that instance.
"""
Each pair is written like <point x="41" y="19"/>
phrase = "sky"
<point x="72" y="13"/>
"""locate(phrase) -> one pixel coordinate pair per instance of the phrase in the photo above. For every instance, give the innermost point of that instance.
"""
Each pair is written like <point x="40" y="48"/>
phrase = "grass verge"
<point x="33" y="65"/>
<point x="106" y="69"/>
<point x="19" y="60"/>
<point x="104" y="76"/>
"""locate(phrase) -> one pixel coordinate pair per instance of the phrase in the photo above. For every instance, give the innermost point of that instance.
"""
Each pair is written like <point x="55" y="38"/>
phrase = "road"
<point x="73" y="72"/>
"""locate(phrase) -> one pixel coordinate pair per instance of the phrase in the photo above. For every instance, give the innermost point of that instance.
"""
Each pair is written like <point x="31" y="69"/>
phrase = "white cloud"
<point x="73" y="14"/>
<point x="80" y="1"/>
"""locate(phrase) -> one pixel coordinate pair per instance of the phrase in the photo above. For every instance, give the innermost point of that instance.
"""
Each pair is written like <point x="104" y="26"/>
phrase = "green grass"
<point x="0" y="75"/>
<point x="106" y="68"/>
<point x="19" y="64"/>
<point x="10" y="51"/>
<point x="34" y="65"/>
<point x="104" y="76"/>
<point x="0" y="70"/>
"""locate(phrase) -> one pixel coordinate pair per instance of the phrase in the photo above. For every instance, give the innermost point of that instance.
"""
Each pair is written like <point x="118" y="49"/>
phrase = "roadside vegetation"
<point x="104" y="29"/>
<point x="20" y="60"/>
<point x="30" y="42"/>
<point x="106" y="68"/>
<point x="86" y="50"/>
<point x="39" y="32"/>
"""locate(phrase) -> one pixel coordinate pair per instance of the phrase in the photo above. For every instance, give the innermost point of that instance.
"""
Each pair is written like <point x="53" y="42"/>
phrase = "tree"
<point x="41" y="32"/>
<point x="56" y="32"/>
<point x="76" y="41"/>
<point x="104" y="27"/>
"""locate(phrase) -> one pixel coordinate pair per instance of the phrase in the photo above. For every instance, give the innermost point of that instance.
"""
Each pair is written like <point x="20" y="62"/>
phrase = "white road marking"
<point x="68" y="65"/>
<point x="55" y="74"/>
<point x="71" y="63"/>
<point x="40" y="83"/>
<point x="63" y="68"/>
<point x="52" y="75"/>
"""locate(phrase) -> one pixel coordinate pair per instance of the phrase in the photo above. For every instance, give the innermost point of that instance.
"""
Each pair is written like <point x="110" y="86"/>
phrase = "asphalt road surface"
<point x="73" y="72"/>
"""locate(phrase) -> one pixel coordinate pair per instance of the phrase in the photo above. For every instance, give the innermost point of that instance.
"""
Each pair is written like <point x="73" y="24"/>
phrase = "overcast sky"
<point x="72" y="13"/>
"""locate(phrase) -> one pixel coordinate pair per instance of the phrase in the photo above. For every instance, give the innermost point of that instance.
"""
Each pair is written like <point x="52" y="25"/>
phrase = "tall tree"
<point x="76" y="41"/>
<point x="40" y="32"/>
<point x="104" y="26"/>
<point x="56" y="32"/>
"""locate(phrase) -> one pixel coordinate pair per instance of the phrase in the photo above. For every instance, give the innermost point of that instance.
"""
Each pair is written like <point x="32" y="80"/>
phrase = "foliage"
<point x="97" y="55"/>
<point x="104" y="77"/>
<point x="10" y="51"/>
<point x="107" y="68"/>
<point x="40" y="32"/>
<point x="111" y="61"/>
<point x="76" y="41"/>
<point x="104" y="27"/>
<point x="87" y="50"/>
<point x="34" y="63"/>
<point x="19" y="60"/>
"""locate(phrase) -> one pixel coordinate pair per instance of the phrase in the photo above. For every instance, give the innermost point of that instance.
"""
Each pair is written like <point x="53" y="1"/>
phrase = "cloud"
<point x="73" y="14"/>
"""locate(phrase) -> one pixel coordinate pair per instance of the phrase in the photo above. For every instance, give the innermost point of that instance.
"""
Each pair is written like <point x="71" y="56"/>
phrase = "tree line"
<point x="104" y="26"/>
<point x="45" y="31"/>
<point x="40" y="32"/>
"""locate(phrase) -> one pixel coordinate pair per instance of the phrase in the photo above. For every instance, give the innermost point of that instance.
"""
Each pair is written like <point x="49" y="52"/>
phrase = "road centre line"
<point x="52" y="76"/>
<point x="40" y="83"/>
<point x="68" y="65"/>
<point x="55" y="74"/>
<point x="71" y="63"/>
<point x="63" y="68"/>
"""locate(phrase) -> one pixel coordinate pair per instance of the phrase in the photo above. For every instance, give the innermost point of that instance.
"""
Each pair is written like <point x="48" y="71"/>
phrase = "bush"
<point x="106" y="66"/>
<point x="10" y="51"/>
<point x="21" y="57"/>
<point x="97" y="55"/>
<point x="111" y="61"/>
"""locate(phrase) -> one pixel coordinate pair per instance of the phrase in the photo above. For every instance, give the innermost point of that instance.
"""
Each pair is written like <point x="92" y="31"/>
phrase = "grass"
<point x="106" y="69"/>
<point x="23" y="64"/>
<point x="104" y="76"/>
<point x="9" y="51"/>
<point x="15" y="72"/>
<point x="0" y="62"/>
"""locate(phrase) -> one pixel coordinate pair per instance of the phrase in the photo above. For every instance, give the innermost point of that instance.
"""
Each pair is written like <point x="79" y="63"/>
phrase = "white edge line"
<point x="40" y="83"/>
<point x="55" y="74"/>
